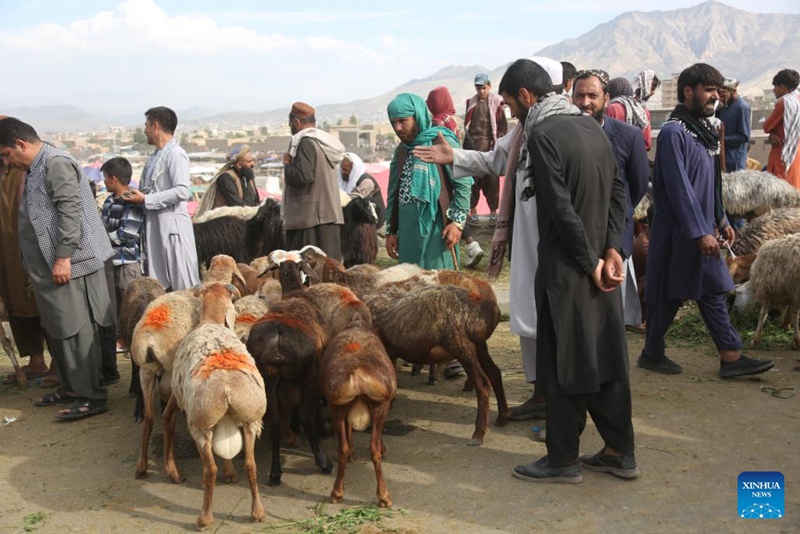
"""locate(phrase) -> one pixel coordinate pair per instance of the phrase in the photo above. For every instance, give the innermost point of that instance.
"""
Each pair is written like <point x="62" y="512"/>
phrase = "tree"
<point x="353" y="119"/>
<point x="138" y="136"/>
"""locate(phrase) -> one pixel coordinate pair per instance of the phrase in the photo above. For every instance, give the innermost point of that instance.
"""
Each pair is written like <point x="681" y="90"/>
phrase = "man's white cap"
<point x="553" y="68"/>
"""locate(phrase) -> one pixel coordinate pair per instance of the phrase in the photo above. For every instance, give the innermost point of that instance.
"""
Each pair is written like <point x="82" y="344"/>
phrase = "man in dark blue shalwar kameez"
<point x="684" y="260"/>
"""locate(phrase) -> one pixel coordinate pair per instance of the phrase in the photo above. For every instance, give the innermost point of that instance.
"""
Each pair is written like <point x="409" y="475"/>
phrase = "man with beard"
<point x="736" y="118"/>
<point x="312" y="210"/>
<point x="684" y="260"/>
<point x="590" y="95"/>
<point x="234" y="184"/>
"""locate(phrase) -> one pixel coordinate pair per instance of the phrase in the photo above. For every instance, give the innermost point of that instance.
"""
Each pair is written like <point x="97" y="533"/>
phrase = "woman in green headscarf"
<point x="417" y="229"/>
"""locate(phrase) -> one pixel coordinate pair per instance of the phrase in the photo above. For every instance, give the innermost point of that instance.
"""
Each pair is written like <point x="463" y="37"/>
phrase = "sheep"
<point x="286" y="343"/>
<point x="359" y="382"/>
<point x="244" y="240"/>
<point x="224" y="269"/>
<point x="138" y="295"/>
<point x="751" y="193"/>
<point x="771" y="225"/>
<point x="19" y="374"/>
<point x="240" y="212"/>
<point x="339" y="306"/>
<point x="437" y="324"/>
<point x="165" y="323"/>
<point x="739" y="267"/>
<point x="248" y="310"/>
<point x="216" y="382"/>
<point x="359" y="236"/>
<point x="775" y="282"/>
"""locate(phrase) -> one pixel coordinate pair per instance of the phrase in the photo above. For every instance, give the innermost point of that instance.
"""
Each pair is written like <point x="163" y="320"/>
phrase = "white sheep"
<point x="751" y="193"/>
<point x="216" y="382"/>
<point x="766" y="227"/>
<point x="775" y="282"/>
<point x="240" y="212"/>
<point x="249" y="309"/>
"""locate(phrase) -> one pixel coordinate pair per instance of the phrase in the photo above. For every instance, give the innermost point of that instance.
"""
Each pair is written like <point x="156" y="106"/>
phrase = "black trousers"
<point x="610" y="407"/>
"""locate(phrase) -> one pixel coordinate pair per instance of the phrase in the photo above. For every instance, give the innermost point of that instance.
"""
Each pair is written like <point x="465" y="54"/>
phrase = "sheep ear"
<point x="230" y="316"/>
<point x="311" y="273"/>
<point x="234" y="291"/>
<point x="269" y="269"/>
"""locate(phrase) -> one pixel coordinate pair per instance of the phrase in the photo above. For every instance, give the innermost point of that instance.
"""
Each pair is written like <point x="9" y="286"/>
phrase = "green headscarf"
<point x="425" y="182"/>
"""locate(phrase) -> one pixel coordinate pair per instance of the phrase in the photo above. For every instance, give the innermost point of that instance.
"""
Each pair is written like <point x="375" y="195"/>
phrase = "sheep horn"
<point x="269" y="269"/>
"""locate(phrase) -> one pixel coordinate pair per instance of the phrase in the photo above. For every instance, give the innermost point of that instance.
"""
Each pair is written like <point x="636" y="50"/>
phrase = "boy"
<point x="123" y="222"/>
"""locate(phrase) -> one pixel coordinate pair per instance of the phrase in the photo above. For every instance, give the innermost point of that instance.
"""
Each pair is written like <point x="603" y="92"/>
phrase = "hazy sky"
<point x="123" y="56"/>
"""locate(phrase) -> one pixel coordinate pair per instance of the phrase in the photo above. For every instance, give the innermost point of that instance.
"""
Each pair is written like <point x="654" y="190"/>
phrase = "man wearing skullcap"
<point x="736" y="118"/>
<point x="234" y="184"/>
<point x="312" y="211"/>
<point x="625" y="107"/>
<point x="485" y="122"/>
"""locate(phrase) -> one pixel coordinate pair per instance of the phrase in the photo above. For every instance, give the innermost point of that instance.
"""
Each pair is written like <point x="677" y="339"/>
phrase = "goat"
<point x="359" y="381"/>
<point x="19" y="374"/>
<point x="359" y="235"/>
<point x="436" y="324"/>
<point x="216" y="382"/>
<point x="286" y="344"/>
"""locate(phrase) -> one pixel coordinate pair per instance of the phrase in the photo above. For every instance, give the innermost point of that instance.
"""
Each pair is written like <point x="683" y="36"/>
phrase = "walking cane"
<point x="455" y="260"/>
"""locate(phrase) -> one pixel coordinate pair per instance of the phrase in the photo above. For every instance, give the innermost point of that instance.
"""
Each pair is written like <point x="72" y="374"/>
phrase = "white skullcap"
<point x="551" y="66"/>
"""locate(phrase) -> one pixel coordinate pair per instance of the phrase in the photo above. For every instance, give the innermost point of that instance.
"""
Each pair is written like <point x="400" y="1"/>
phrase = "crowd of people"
<point x="575" y="166"/>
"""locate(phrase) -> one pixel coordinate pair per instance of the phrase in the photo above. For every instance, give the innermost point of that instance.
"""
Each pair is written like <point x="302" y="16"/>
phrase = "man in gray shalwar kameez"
<point x="64" y="247"/>
<point x="169" y="250"/>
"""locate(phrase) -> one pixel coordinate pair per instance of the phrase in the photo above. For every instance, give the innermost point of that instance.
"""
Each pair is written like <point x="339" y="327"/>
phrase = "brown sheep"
<point x="358" y="379"/>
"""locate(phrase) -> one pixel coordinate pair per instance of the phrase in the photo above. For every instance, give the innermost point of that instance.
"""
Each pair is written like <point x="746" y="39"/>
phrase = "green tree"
<point x="138" y="136"/>
<point x="353" y="120"/>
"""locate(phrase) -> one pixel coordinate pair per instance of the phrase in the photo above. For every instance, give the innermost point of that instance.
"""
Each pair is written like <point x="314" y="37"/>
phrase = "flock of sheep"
<point x="266" y="341"/>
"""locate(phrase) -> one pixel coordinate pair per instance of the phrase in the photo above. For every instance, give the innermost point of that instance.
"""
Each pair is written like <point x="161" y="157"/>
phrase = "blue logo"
<point x="761" y="495"/>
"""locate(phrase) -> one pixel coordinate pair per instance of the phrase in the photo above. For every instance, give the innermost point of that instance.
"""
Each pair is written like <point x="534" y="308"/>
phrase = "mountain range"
<point x="748" y="46"/>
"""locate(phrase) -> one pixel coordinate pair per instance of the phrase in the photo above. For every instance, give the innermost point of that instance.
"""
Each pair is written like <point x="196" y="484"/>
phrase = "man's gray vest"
<point x="94" y="247"/>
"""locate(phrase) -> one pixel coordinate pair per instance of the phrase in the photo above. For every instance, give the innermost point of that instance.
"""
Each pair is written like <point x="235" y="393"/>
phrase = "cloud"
<point x="305" y="17"/>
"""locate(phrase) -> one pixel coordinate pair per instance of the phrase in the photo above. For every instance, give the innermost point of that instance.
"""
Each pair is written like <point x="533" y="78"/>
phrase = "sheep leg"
<point x="169" y="417"/>
<point x="339" y="421"/>
<point x="349" y="428"/>
<point x="148" y="381"/>
<point x="19" y="374"/>
<point x="480" y="380"/>
<point x="135" y="388"/>
<point x="416" y="369"/>
<point x="496" y="379"/>
<point x="762" y="318"/>
<point x="379" y="413"/>
<point x="206" y="517"/>
<point x="309" y="421"/>
<point x="796" y="338"/>
<point x="274" y="414"/>
<point x="257" y="508"/>
<point x="229" y="471"/>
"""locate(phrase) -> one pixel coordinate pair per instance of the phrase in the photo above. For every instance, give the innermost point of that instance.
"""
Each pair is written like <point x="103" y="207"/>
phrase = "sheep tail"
<point x="358" y="416"/>
<point x="227" y="439"/>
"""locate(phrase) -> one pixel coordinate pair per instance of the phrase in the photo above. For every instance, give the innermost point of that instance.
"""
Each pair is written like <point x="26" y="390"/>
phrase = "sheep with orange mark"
<point x="248" y="310"/>
<point x="216" y="382"/>
<point x="339" y="306"/>
<point x="286" y="343"/>
<point x="359" y="382"/>
<point x="265" y="287"/>
<point x="224" y="269"/>
<point x="162" y="328"/>
<point x="435" y="324"/>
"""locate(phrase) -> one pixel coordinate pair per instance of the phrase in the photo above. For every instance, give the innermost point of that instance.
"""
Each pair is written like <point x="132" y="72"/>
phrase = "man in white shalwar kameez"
<point x="169" y="249"/>
<point x="524" y="258"/>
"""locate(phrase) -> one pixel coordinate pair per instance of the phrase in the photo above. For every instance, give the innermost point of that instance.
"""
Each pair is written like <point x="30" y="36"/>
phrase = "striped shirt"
<point x="123" y="222"/>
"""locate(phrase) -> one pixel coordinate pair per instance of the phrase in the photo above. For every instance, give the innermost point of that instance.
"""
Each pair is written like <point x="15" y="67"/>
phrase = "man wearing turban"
<point x="234" y="184"/>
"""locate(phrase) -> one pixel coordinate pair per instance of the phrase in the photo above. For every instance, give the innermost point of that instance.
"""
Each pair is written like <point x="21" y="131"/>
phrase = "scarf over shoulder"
<point x="425" y="182"/>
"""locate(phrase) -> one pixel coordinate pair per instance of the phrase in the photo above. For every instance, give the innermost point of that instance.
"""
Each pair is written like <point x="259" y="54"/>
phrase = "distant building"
<point x="669" y="92"/>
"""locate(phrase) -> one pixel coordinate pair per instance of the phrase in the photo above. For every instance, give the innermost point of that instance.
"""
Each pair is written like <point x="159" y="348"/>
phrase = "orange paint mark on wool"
<point x="158" y="317"/>
<point x="352" y="346"/>
<point x="225" y="360"/>
<point x="476" y="297"/>
<point x="247" y="318"/>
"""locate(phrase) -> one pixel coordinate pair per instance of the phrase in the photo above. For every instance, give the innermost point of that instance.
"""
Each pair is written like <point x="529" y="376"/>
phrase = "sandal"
<point x="57" y="397"/>
<point x="50" y="380"/>
<point x="82" y="408"/>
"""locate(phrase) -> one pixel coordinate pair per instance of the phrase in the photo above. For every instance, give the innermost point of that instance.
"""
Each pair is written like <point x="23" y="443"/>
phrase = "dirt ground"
<point x="694" y="434"/>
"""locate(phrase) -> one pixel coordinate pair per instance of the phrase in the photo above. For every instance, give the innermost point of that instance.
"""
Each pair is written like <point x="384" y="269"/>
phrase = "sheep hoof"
<point x="140" y="474"/>
<point x="474" y="442"/>
<point x="385" y="501"/>
<point x="258" y="515"/>
<point x="431" y="381"/>
<point x="203" y="522"/>
<point x="274" y="481"/>
<point x="335" y="498"/>
<point x="326" y="468"/>
<point x="502" y="420"/>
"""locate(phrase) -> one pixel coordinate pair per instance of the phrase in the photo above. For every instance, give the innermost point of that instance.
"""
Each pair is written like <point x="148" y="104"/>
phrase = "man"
<point x="23" y="316"/>
<point x="170" y="255"/>
<point x="735" y="115"/>
<point x="355" y="181"/>
<point x="312" y="212"/>
<point x="64" y="247"/>
<point x="485" y="122"/>
<point x="783" y="127"/>
<point x="624" y="107"/>
<point x="568" y="71"/>
<point x="427" y="207"/>
<point x="517" y="219"/>
<point x="591" y="96"/>
<point x="234" y="184"/>
<point x="581" y="343"/>
<point x="684" y="260"/>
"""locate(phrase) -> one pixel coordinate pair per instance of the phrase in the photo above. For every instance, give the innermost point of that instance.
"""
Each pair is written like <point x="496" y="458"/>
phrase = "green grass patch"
<point x="689" y="329"/>
<point x="32" y="521"/>
<point x="349" y="521"/>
